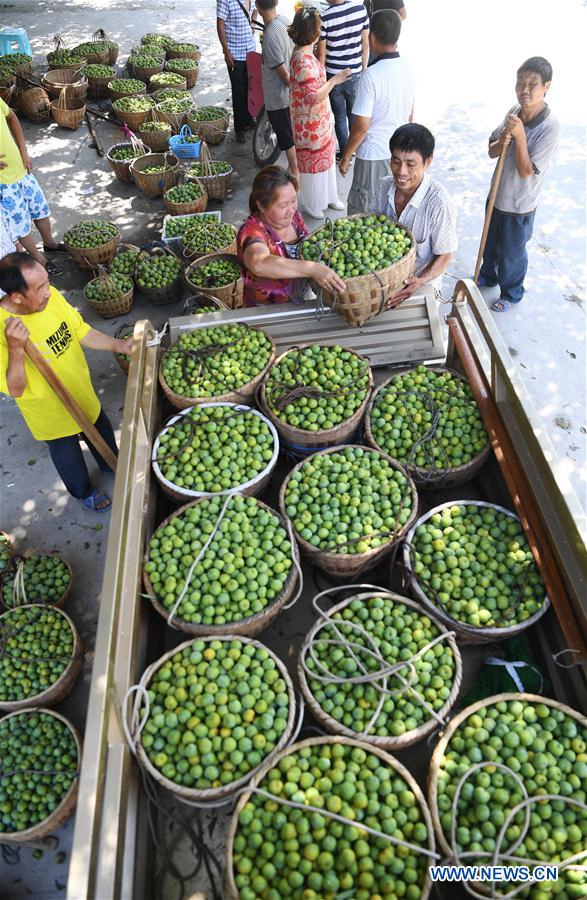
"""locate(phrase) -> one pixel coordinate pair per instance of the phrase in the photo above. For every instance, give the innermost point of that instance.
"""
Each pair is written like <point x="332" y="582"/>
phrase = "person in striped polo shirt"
<point x="344" y="44"/>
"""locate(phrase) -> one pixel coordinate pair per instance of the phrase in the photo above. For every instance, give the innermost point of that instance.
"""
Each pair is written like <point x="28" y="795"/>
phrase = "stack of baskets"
<point x="55" y="81"/>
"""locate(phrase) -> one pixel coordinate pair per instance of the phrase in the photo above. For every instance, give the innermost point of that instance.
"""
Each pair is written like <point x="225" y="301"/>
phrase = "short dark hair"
<point x="386" y="26"/>
<point x="12" y="280"/>
<point x="266" y="5"/>
<point x="413" y="137"/>
<point x="539" y="65"/>
<point x="266" y="184"/>
<point x="305" y="28"/>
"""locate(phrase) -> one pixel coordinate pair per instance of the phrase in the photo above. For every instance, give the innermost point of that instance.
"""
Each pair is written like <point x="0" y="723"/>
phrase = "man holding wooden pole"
<point x="525" y="142"/>
<point x="39" y="330"/>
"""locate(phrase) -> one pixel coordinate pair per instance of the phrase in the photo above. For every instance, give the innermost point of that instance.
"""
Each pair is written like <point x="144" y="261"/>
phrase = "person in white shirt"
<point x="384" y="101"/>
<point x="411" y="197"/>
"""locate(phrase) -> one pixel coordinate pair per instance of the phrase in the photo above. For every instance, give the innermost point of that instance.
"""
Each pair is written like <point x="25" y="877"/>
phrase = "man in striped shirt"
<point x="344" y="44"/>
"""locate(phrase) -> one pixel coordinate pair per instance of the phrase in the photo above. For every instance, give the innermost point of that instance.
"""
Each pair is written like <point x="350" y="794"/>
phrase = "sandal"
<point x="54" y="268"/>
<point x="501" y="305"/>
<point x="60" y="248"/>
<point x="94" y="499"/>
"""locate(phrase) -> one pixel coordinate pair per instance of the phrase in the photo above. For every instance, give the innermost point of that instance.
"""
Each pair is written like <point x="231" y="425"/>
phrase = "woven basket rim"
<point x="419" y="472"/>
<point x="209" y="794"/>
<point x="171" y="159"/>
<point x="69" y="673"/>
<point x="462" y="628"/>
<point x="387" y="758"/>
<point x="298" y="435"/>
<point x="124" y="162"/>
<point x="46" y="826"/>
<point x="203" y="260"/>
<point x="229" y="395"/>
<point x="432" y="777"/>
<point x="240" y="488"/>
<point x="388" y="742"/>
<point x="35" y="551"/>
<point x="373" y="551"/>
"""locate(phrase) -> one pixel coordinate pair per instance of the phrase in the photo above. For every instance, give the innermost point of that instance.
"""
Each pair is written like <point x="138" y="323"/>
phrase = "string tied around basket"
<point x="495" y="856"/>
<point x="379" y="678"/>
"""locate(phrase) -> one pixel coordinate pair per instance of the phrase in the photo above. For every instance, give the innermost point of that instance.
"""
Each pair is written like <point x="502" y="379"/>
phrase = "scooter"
<point x="265" y="147"/>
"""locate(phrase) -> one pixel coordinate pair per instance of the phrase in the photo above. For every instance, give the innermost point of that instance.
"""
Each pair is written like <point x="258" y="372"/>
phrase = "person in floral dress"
<point x="311" y="116"/>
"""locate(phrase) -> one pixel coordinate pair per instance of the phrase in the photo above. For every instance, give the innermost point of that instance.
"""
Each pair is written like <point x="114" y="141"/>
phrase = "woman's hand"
<point x="327" y="278"/>
<point x="341" y="77"/>
<point x="27" y="161"/>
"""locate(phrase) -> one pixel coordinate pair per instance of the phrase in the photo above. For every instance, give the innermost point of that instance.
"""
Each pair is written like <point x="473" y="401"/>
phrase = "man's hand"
<point x="125" y="346"/>
<point x="515" y="127"/>
<point x="229" y="59"/>
<point x="16" y="333"/>
<point x="410" y="287"/>
<point x="3" y="165"/>
<point x="344" y="164"/>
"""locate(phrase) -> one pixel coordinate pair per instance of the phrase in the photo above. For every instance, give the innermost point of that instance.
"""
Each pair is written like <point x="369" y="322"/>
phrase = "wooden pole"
<point x="71" y="405"/>
<point x="490" y="204"/>
<point x="517" y="484"/>
<point x="94" y="134"/>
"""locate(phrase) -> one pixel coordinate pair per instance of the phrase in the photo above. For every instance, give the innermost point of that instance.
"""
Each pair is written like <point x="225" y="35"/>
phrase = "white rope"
<point x="511" y="666"/>
<point x="495" y="855"/>
<point x="159" y="335"/>
<point x="197" y="560"/>
<point x="297" y="566"/>
<point x="580" y="662"/>
<point x="378" y="678"/>
<point x="19" y="597"/>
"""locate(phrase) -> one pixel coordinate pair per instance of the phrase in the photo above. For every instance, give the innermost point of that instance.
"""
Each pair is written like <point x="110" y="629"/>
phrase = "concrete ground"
<point x="465" y="58"/>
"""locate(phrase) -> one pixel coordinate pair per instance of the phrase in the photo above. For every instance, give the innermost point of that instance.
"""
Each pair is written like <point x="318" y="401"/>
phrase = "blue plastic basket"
<point x="181" y="148"/>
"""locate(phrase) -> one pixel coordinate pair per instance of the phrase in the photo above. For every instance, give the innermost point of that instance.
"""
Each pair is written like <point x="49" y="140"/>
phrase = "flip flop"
<point x="501" y="305"/>
<point x="96" y="497"/>
<point x="53" y="268"/>
<point x="60" y="248"/>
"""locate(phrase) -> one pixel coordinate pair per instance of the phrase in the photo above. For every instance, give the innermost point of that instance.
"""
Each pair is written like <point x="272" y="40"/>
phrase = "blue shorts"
<point x="22" y="204"/>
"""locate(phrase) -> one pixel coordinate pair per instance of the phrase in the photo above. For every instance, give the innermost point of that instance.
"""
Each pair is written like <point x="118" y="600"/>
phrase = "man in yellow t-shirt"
<point x="22" y="201"/>
<point x="31" y="308"/>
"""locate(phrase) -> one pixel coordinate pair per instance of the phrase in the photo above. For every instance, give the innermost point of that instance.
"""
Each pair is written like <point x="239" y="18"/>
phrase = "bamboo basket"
<point x="213" y="131"/>
<point x="349" y="565"/>
<point x="190" y="75"/>
<point x="330" y="437"/>
<point x="248" y="627"/>
<point x="121" y="167"/>
<point x="389" y="742"/>
<point x="185" y="209"/>
<point x="169" y="293"/>
<point x="429" y="478"/>
<point x="365" y="295"/>
<point x="121" y="332"/>
<point x="176" y="120"/>
<point x="195" y="256"/>
<point x="155" y="86"/>
<point x="230" y="295"/>
<point x="154" y="185"/>
<point x="253" y="487"/>
<point x="113" y="48"/>
<point x="109" y="309"/>
<point x="79" y="64"/>
<point x="32" y="601"/>
<point x="195" y="54"/>
<point x="62" y="686"/>
<point x="62" y="813"/>
<point x="68" y="112"/>
<point x="35" y="104"/>
<point x="441" y="747"/>
<point x="216" y="794"/>
<point x="57" y="80"/>
<point x="23" y="70"/>
<point x="7" y="545"/>
<point x="98" y="86"/>
<point x="122" y="248"/>
<point x="91" y="257"/>
<point x="7" y="86"/>
<point x="231" y="891"/>
<point x="198" y="301"/>
<point x="132" y="119"/>
<point x="157" y="141"/>
<point x="143" y="73"/>
<point x="215" y="184"/>
<point x="115" y="94"/>
<point x="467" y="634"/>
<point x="245" y="394"/>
